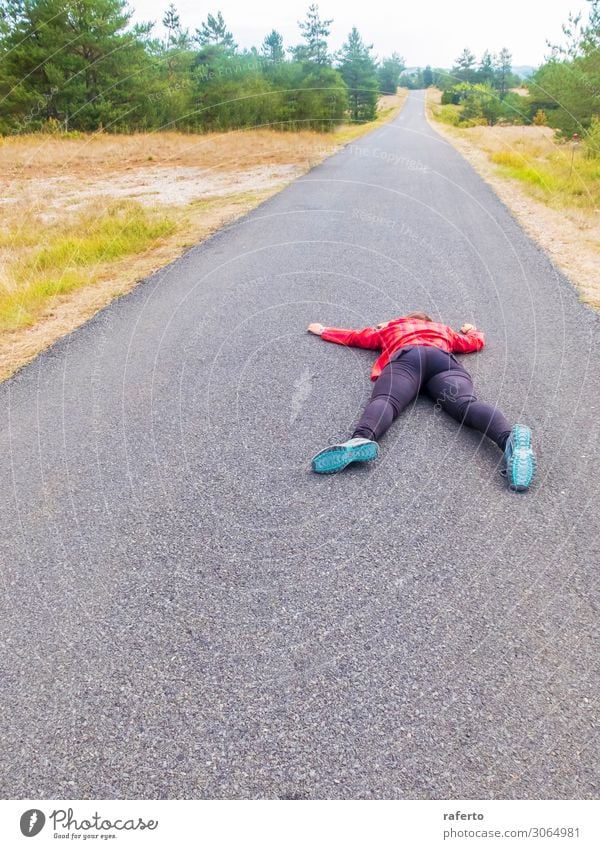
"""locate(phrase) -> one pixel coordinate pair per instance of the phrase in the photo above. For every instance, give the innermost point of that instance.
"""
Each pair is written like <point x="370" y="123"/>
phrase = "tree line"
<point x="563" y="93"/>
<point x="81" y="65"/>
<point x="482" y="88"/>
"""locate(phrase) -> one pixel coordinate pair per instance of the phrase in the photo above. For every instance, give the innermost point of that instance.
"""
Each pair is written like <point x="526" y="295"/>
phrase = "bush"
<point x="449" y="97"/>
<point x="514" y="109"/>
<point x="448" y="114"/>
<point x="482" y="102"/>
<point x="591" y="140"/>
<point x="322" y="101"/>
<point x="456" y="94"/>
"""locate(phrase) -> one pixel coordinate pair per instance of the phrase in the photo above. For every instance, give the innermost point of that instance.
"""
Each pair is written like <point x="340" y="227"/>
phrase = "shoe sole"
<point x="522" y="467"/>
<point x="336" y="458"/>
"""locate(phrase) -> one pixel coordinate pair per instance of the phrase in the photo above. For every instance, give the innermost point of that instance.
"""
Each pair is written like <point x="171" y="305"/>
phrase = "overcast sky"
<point x="433" y="32"/>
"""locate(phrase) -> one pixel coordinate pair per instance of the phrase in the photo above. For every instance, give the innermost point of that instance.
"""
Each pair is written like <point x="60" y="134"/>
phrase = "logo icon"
<point x="32" y="822"/>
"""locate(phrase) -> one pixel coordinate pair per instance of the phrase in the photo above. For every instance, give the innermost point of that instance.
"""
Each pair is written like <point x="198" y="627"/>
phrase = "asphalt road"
<point x="189" y="612"/>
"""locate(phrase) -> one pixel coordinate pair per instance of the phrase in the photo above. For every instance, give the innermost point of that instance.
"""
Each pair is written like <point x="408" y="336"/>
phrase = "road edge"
<point x="527" y="212"/>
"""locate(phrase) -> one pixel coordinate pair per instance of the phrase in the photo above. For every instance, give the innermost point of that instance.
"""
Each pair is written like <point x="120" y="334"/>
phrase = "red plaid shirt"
<point x="403" y="333"/>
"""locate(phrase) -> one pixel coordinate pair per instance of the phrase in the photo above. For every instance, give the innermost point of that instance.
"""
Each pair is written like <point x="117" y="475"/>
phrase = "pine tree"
<point x="503" y="71"/>
<point x="567" y="85"/>
<point x="73" y="62"/>
<point x="214" y="32"/>
<point x="315" y="33"/>
<point x="322" y="98"/>
<point x="388" y="73"/>
<point x="172" y="24"/>
<point x="464" y="67"/>
<point x="590" y="41"/>
<point x="427" y="76"/>
<point x="11" y="12"/>
<point x="486" y="72"/>
<point x="359" y="72"/>
<point x="272" y="47"/>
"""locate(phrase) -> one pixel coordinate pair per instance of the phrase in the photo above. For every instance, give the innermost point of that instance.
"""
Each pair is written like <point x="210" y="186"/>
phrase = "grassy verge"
<point x="561" y="178"/>
<point x="551" y="186"/>
<point x="557" y="173"/>
<point x="60" y="258"/>
<point x="446" y="113"/>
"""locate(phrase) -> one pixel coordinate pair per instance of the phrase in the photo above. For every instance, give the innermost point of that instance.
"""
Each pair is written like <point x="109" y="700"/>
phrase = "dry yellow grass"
<point x="556" y="203"/>
<point x="100" y="153"/>
<point x="61" y="258"/>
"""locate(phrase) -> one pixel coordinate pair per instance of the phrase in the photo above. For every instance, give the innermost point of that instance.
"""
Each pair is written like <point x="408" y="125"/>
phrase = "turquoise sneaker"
<point x="337" y="457"/>
<point x="519" y="459"/>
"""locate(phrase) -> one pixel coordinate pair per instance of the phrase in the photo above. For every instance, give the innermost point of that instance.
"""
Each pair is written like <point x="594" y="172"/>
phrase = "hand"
<point x="466" y="328"/>
<point x="315" y="328"/>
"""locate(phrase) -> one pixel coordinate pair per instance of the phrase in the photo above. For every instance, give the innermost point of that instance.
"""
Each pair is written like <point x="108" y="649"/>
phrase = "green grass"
<point x="551" y="177"/>
<point x="549" y="171"/>
<point x="68" y="256"/>
<point x="518" y="166"/>
<point x="447" y="114"/>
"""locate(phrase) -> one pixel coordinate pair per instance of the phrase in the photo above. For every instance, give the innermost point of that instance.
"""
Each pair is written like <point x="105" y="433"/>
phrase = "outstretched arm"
<point x="368" y="337"/>
<point x="468" y="340"/>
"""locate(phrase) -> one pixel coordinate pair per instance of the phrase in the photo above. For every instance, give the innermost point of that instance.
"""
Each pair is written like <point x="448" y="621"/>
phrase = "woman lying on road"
<point x="418" y="353"/>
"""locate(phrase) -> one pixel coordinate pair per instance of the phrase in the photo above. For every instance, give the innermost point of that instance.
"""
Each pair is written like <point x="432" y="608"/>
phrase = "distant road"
<point x="189" y="612"/>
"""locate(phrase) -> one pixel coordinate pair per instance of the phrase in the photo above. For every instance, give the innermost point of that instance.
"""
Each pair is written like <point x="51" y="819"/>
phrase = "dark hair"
<point x="422" y="316"/>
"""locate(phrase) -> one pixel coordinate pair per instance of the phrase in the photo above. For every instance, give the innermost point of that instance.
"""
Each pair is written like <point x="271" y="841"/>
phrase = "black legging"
<point x="444" y="379"/>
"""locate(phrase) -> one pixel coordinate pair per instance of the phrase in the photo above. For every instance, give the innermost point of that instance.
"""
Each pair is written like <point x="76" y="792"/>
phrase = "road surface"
<point x="189" y="612"/>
